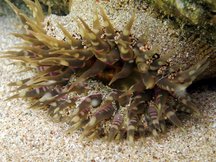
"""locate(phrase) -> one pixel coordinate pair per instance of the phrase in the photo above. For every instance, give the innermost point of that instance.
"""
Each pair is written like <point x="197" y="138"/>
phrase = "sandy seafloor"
<point x="30" y="135"/>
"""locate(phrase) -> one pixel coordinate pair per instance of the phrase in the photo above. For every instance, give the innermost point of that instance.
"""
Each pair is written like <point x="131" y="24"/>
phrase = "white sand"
<point x="29" y="135"/>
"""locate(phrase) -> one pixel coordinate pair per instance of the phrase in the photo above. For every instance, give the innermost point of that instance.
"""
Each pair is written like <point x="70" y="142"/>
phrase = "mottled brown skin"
<point x="147" y="90"/>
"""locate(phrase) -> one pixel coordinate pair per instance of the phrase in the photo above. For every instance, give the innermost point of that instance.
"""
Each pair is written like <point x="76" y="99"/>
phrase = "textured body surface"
<point x="44" y="140"/>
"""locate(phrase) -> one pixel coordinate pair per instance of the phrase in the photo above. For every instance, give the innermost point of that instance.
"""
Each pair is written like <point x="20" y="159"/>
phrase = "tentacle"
<point x="132" y="127"/>
<point x="51" y="42"/>
<point x="46" y="78"/>
<point x="90" y="101"/>
<point x="148" y="80"/>
<point x="183" y="79"/>
<point x="53" y="78"/>
<point x="125" y="72"/>
<point x="60" y="110"/>
<point x="72" y="41"/>
<point x="97" y="28"/>
<point x="80" y="124"/>
<point x="153" y="114"/>
<point x="134" y="112"/>
<point x="98" y="43"/>
<point x="124" y="98"/>
<point x="17" y="11"/>
<point x="161" y="98"/>
<point x="171" y="115"/>
<point x="186" y="100"/>
<point x="49" y="97"/>
<point x="177" y="86"/>
<point x="116" y="125"/>
<point x="137" y="87"/>
<point x="79" y="88"/>
<point x="95" y="69"/>
<point x="32" y="25"/>
<point x="65" y="61"/>
<point x="28" y="38"/>
<point x="124" y="41"/>
<point x="36" y="10"/>
<point x="79" y="117"/>
<point x="145" y="60"/>
<point x="109" y="29"/>
<point x="102" y="49"/>
<point x="105" y="111"/>
<point x="80" y="54"/>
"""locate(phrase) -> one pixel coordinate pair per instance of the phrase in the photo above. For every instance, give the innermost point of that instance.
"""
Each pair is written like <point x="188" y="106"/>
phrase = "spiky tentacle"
<point x="144" y="83"/>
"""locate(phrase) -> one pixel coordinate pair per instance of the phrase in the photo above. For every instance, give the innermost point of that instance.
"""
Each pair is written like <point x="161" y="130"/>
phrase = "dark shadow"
<point x="205" y="84"/>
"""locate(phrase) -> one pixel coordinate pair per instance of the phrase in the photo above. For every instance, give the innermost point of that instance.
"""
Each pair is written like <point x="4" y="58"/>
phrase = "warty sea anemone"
<point x="147" y="92"/>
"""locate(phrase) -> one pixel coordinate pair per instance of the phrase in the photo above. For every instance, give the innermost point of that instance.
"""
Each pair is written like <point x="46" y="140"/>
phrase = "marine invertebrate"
<point x="146" y="90"/>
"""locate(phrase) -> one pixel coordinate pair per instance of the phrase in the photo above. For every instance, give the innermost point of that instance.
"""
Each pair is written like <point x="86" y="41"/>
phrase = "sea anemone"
<point x="146" y="91"/>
